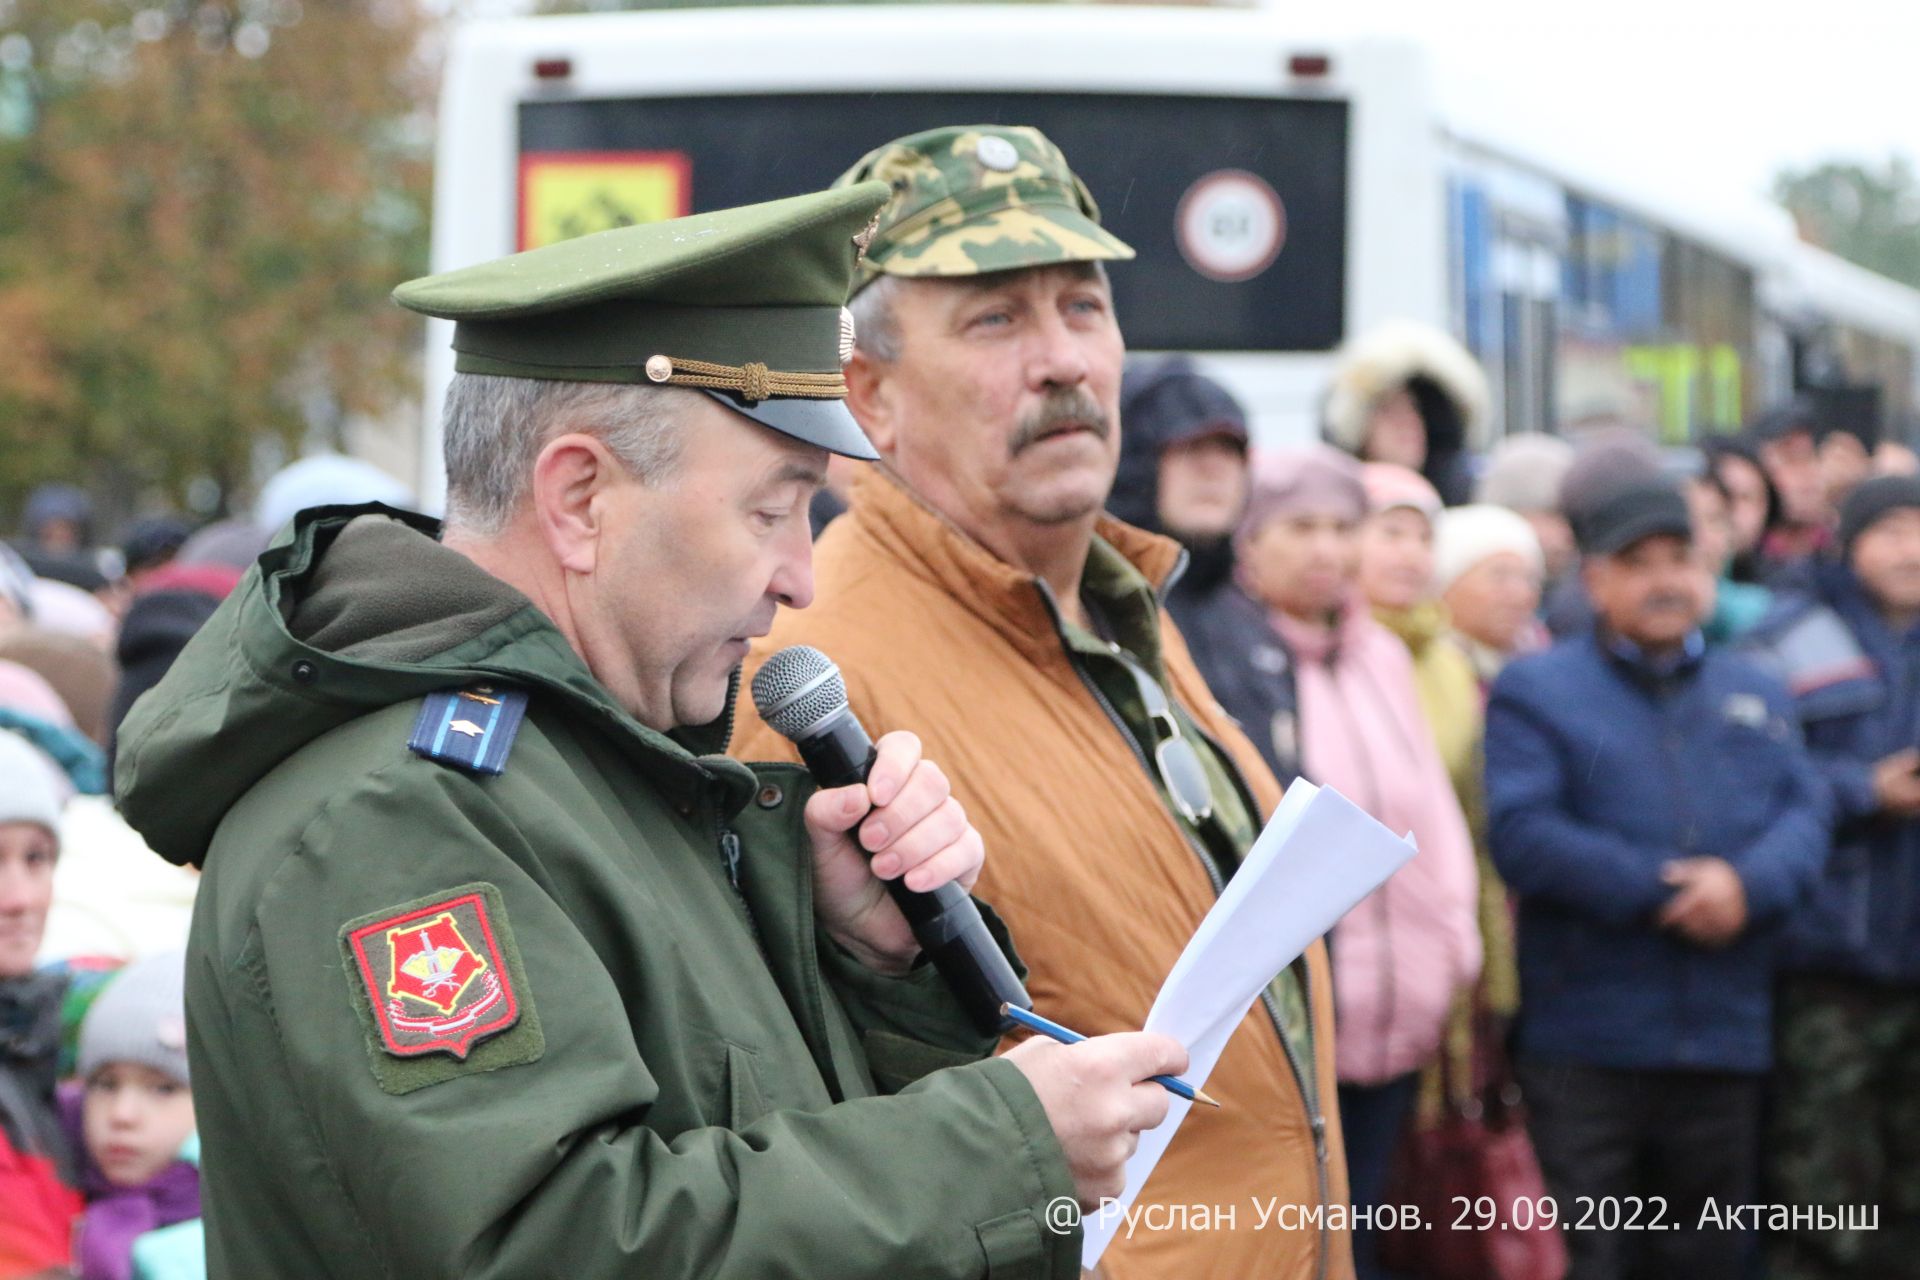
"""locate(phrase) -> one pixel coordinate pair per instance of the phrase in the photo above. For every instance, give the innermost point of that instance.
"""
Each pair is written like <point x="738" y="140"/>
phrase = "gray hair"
<point x="494" y="427"/>
<point x="876" y="329"/>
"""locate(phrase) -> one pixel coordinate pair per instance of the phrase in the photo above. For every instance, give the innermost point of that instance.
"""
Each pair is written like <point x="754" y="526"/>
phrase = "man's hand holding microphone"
<point x="901" y="824"/>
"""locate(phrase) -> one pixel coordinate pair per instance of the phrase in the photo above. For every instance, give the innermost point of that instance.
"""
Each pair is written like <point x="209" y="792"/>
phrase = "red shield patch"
<point x="435" y="977"/>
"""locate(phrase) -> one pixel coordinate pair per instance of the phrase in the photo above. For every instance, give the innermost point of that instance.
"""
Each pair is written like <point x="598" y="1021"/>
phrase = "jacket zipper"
<point x="729" y="842"/>
<point x="1315" y="1121"/>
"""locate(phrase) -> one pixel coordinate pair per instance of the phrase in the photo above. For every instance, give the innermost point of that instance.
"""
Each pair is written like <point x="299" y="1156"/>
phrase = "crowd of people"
<point x="1652" y="718"/>
<point x="98" y="1156"/>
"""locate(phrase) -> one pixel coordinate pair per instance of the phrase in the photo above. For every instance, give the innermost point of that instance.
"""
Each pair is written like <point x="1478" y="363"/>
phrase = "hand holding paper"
<point x="1316" y="859"/>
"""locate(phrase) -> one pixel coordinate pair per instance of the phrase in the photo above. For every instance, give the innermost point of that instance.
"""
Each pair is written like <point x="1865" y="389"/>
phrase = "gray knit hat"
<point x="1524" y="473"/>
<point x="140" y="1017"/>
<point x="29" y="786"/>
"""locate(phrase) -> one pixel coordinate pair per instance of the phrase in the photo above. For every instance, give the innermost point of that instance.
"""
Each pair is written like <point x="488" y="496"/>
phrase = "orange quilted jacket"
<point x="1094" y="876"/>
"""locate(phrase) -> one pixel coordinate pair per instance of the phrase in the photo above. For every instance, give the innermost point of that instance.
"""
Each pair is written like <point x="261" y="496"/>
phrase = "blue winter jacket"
<point x="1602" y="767"/>
<point x="1856" y="687"/>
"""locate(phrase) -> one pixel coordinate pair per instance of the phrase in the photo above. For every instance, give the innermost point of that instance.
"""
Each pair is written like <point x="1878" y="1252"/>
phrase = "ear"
<point x="572" y="479"/>
<point x="870" y="400"/>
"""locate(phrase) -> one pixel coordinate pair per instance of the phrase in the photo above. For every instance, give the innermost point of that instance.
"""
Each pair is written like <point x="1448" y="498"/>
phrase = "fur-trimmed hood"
<point x="1390" y="355"/>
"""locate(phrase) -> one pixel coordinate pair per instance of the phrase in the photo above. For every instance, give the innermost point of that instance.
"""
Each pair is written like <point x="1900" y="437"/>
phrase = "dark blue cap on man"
<point x="1630" y="514"/>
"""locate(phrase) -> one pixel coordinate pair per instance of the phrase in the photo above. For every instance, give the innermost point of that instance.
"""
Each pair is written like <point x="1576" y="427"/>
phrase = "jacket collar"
<point x="1488" y="662"/>
<point x="1417" y="626"/>
<point x="30" y="1018"/>
<point x="247" y="677"/>
<point x="1014" y="602"/>
<point x="1842" y="589"/>
<point x="1210" y="566"/>
<point x="552" y="662"/>
<point x="1648" y="667"/>
<point x="1322" y="642"/>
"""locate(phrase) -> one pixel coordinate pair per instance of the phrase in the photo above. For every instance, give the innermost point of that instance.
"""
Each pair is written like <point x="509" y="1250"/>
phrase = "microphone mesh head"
<point x="796" y="689"/>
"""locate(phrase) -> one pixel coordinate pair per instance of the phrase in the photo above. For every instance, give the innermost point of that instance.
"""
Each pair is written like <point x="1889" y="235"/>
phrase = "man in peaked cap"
<point x="499" y="967"/>
<point x="975" y="593"/>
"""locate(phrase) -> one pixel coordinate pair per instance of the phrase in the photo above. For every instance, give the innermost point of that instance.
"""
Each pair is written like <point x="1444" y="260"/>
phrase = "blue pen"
<point x="1047" y="1027"/>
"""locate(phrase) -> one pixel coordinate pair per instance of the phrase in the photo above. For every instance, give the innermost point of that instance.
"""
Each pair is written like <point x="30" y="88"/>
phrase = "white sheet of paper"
<point x="1318" y="856"/>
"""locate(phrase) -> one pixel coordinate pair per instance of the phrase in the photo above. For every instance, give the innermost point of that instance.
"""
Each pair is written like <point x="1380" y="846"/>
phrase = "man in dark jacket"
<point x="1788" y="440"/>
<point x="1183" y="472"/>
<point x="1656" y="816"/>
<point x="499" y="966"/>
<point x="1845" y="1132"/>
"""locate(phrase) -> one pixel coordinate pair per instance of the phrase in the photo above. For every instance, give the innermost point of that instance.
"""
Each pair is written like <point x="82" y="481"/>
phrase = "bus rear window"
<point x="1236" y="206"/>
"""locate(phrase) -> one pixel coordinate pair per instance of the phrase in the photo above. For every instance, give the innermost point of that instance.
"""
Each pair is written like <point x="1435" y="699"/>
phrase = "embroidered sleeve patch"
<point x="440" y="978"/>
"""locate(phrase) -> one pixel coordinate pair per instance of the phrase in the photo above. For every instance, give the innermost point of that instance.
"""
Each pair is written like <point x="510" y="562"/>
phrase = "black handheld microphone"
<point x="800" y="694"/>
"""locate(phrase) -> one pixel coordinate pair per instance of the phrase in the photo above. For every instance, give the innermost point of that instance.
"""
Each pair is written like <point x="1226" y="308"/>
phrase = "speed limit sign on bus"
<point x="1230" y="225"/>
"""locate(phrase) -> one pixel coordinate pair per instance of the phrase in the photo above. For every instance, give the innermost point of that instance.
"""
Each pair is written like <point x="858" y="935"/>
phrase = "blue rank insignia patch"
<point x="471" y="728"/>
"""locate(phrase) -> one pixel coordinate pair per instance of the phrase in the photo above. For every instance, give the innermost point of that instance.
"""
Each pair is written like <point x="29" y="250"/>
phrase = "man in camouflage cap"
<point x="499" y="967"/>
<point x="968" y="201"/>
<point x="976" y="592"/>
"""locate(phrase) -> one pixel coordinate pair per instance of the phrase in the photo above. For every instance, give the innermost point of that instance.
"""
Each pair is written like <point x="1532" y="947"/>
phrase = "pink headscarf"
<point x="25" y="690"/>
<point x="1313" y="479"/>
<point x="1389" y="486"/>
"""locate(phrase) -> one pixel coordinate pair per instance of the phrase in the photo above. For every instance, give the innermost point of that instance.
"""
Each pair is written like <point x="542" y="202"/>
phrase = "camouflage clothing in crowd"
<point x="1845" y="1128"/>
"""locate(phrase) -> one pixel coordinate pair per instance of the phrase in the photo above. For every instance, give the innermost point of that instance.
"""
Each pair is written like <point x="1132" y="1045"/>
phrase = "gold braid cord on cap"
<point x="754" y="381"/>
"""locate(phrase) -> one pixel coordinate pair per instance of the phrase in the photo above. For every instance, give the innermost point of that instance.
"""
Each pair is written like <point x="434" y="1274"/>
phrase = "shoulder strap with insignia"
<point x="471" y="728"/>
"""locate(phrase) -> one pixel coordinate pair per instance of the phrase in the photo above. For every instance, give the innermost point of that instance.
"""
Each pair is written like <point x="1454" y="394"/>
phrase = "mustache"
<point x="1668" y="600"/>
<point x="1067" y="406"/>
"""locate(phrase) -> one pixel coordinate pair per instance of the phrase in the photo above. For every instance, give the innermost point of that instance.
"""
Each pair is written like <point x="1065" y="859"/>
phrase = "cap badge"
<point x="846" y="335"/>
<point x="865" y="238"/>
<point x="997" y="153"/>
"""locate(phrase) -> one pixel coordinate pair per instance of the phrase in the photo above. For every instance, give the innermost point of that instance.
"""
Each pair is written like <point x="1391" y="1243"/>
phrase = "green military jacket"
<point x="576" y="1019"/>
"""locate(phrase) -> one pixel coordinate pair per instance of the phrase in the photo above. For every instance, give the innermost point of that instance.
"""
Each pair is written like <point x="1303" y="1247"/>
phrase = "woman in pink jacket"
<point x="1401" y="956"/>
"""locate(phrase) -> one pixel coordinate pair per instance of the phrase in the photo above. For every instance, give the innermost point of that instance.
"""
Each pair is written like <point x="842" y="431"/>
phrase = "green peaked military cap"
<point x="746" y="305"/>
<point x="970" y="199"/>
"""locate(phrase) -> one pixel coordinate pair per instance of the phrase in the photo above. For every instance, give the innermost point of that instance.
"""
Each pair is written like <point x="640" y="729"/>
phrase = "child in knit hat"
<point x="136" y="1116"/>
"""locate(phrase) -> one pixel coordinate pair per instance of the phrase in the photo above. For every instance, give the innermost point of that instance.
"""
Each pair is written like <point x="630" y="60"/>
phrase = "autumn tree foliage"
<point x="1869" y="213"/>
<point x="203" y="206"/>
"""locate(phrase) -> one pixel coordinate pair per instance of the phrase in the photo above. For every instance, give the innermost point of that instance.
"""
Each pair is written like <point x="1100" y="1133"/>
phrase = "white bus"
<point x="1284" y="191"/>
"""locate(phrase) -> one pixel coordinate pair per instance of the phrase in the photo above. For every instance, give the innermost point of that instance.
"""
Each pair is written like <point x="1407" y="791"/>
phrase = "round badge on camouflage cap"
<point x="997" y="154"/>
<point x="742" y="304"/>
<point x="972" y="199"/>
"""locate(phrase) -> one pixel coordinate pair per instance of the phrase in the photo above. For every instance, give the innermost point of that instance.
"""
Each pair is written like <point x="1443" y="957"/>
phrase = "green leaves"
<point x="1870" y="215"/>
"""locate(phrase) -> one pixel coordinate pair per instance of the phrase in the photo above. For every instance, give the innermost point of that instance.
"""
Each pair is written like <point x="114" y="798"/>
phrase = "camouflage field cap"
<point x="746" y="305"/>
<point x="977" y="198"/>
